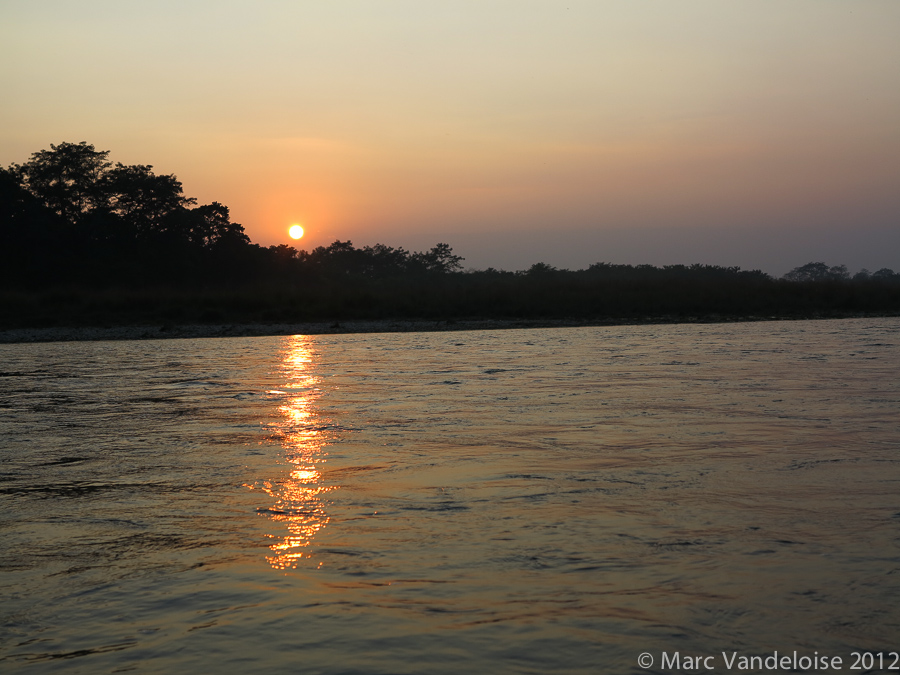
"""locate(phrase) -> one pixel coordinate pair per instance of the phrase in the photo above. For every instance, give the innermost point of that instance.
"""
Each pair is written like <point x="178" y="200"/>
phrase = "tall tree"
<point x="207" y="226"/>
<point x="67" y="178"/>
<point x="143" y="199"/>
<point x="440" y="259"/>
<point x="818" y="271"/>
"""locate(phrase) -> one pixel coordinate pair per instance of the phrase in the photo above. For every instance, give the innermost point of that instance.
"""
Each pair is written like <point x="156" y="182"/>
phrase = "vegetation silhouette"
<point x="85" y="242"/>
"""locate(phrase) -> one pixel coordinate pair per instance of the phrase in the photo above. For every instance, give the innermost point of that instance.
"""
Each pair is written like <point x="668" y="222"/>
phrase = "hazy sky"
<point x="761" y="133"/>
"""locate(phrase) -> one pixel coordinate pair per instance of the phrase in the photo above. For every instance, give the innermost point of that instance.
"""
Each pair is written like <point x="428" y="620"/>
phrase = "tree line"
<point x="84" y="240"/>
<point x="69" y="215"/>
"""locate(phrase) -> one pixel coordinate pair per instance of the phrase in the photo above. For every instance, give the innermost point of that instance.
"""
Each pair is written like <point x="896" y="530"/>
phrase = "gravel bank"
<point x="69" y="334"/>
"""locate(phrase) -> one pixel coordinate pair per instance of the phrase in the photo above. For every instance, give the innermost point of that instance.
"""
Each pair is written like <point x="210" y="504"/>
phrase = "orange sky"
<point x="759" y="134"/>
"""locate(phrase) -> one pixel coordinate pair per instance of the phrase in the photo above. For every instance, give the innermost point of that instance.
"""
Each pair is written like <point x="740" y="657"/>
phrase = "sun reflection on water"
<point x="298" y="495"/>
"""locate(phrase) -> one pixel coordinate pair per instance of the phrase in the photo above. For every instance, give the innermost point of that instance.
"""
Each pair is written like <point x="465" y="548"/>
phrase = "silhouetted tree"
<point x="885" y="274"/>
<point x="29" y="231"/>
<point x="818" y="271"/>
<point x="67" y="178"/>
<point x="209" y="226"/>
<point x="382" y="261"/>
<point x="20" y="210"/>
<point x="439" y="259"/>
<point x="540" y="269"/>
<point x="143" y="199"/>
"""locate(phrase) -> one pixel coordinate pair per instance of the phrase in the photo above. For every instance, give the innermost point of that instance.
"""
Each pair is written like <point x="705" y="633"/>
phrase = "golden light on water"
<point x="299" y="505"/>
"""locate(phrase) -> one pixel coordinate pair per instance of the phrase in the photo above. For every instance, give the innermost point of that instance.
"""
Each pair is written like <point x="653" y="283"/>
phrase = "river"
<point x="522" y="501"/>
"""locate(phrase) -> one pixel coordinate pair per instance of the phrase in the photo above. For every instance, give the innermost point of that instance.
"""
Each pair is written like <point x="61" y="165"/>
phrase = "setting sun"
<point x="295" y="231"/>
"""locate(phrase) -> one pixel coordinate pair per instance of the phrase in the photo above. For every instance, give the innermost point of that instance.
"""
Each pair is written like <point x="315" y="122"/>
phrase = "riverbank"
<point x="83" y="333"/>
<point x="166" y="332"/>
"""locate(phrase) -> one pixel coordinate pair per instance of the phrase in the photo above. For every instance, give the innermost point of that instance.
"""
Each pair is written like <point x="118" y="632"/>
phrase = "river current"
<point x="520" y="501"/>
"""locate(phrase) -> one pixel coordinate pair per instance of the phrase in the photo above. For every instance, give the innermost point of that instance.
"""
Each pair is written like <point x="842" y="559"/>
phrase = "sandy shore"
<point x="69" y="334"/>
<point x="157" y="332"/>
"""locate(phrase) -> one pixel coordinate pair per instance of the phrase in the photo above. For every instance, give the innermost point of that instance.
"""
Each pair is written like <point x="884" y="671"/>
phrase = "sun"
<point x="295" y="231"/>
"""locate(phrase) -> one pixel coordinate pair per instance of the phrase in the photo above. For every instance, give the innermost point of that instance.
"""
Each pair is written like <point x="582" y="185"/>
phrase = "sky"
<point x="758" y="133"/>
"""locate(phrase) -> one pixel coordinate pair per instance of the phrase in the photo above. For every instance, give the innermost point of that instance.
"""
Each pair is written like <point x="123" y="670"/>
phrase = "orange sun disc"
<point x="295" y="231"/>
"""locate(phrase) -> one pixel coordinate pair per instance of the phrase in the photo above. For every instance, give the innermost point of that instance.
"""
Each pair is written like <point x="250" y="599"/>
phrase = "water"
<point x="530" y="501"/>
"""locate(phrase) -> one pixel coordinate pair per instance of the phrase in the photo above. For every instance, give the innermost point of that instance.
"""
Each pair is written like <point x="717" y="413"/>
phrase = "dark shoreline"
<point x="189" y="331"/>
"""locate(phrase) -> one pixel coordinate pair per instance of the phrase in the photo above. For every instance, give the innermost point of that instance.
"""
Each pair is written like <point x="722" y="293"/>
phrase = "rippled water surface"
<point x="555" y="500"/>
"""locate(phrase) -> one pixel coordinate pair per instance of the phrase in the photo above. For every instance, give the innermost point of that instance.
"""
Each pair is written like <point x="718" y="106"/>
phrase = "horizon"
<point x="629" y="133"/>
